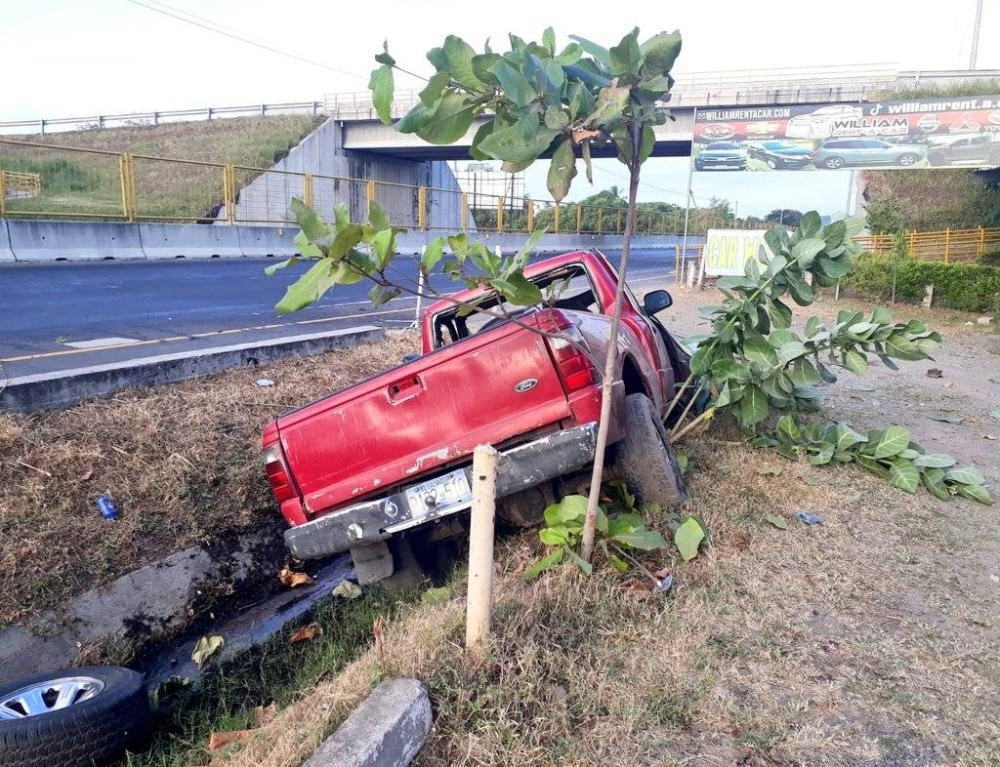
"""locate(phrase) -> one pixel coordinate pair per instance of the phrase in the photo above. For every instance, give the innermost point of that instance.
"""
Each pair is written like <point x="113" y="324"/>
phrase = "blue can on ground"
<point x="107" y="507"/>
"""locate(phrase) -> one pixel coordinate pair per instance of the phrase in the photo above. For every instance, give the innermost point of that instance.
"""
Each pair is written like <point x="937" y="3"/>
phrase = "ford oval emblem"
<point x="526" y="385"/>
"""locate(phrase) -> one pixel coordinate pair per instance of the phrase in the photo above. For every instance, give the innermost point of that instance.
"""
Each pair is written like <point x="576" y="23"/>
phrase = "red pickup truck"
<point x="387" y="461"/>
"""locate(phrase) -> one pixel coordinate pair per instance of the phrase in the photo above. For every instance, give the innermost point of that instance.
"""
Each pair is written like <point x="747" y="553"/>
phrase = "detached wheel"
<point x="645" y="457"/>
<point x="72" y="718"/>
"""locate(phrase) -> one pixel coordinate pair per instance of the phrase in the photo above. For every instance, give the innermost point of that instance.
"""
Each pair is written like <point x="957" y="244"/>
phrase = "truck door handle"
<point x="405" y="389"/>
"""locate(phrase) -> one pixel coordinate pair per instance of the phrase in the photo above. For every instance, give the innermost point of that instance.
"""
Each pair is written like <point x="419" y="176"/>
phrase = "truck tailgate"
<point x="417" y="417"/>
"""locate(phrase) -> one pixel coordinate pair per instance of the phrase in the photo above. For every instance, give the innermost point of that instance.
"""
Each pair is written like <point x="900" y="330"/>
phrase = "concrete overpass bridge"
<point x="362" y="132"/>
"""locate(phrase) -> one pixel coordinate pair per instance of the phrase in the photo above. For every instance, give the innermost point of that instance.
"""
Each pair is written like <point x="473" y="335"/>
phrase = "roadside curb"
<point x="6" y="254"/>
<point x="45" y="391"/>
<point x="386" y="730"/>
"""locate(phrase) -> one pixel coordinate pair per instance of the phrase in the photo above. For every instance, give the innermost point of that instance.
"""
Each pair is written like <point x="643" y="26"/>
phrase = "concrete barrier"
<point x="6" y="254"/>
<point x="262" y="241"/>
<point x="386" y="730"/>
<point x="73" y="240"/>
<point x="165" y="241"/>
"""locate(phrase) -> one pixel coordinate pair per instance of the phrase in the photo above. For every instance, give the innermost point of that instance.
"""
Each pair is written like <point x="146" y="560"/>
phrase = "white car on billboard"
<point x="818" y="124"/>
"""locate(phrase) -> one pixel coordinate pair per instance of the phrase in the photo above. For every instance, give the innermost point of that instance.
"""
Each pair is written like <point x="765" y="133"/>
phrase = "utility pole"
<point x="975" y="34"/>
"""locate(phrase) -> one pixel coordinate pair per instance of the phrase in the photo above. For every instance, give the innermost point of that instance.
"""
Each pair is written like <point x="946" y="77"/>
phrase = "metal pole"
<point x="687" y="212"/>
<point x="975" y="34"/>
<point x="850" y="195"/>
<point x="420" y="289"/>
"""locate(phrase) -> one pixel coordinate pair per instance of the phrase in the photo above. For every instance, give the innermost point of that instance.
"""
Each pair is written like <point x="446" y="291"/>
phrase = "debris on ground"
<point x="945" y="418"/>
<point x="306" y="633"/>
<point x="347" y="590"/>
<point x="264" y="714"/>
<point x="778" y="522"/>
<point x="987" y="320"/>
<point x="222" y="739"/>
<point x="264" y="383"/>
<point x="291" y="579"/>
<point x="809" y="519"/>
<point x="436" y="596"/>
<point x="107" y="507"/>
<point x="935" y="373"/>
<point x="205" y="648"/>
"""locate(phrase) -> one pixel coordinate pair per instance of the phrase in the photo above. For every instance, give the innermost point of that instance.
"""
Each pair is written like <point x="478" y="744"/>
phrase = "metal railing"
<point x="18" y="184"/>
<point x="132" y="119"/>
<point x="90" y="183"/>
<point x="948" y="245"/>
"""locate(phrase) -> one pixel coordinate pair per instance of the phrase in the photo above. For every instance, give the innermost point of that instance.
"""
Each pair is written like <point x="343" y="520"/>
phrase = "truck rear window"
<point x="566" y="288"/>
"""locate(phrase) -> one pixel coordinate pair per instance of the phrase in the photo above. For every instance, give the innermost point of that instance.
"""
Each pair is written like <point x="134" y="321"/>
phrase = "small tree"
<point x="784" y="217"/>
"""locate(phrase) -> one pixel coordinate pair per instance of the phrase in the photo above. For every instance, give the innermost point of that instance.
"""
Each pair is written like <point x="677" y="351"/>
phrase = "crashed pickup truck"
<point x="384" y="467"/>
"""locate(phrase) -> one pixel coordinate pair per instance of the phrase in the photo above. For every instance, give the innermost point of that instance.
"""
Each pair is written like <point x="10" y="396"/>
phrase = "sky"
<point x="114" y="56"/>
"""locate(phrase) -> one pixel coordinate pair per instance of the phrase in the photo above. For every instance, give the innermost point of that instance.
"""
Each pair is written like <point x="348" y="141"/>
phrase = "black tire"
<point x="937" y="159"/>
<point x="645" y="458"/>
<point x="91" y="731"/>
<point x="772" y="163"/>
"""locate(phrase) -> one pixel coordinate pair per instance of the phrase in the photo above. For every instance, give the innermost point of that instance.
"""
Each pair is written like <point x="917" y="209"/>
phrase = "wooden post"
<point x="947" y="244"/>
<point x="480" y="605"/>
<point x="982" y="242"/>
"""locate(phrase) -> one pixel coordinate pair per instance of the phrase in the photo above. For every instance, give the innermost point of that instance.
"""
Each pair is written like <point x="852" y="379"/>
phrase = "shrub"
<point x="967" y="287"/>
<point x="989" y="258"/>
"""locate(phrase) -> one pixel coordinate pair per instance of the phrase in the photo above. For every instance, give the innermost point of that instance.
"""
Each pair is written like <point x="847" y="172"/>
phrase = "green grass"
<point x="920" y="91"/>
<point x="276" y="672"/>
<point x="88" y="182"/>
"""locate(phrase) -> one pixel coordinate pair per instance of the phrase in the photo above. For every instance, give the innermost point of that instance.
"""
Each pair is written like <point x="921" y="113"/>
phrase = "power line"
<point x="189" y="18"/>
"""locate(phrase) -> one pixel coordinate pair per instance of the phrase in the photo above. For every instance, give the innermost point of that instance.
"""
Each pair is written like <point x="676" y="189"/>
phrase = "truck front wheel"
<point x="645" y="458"/>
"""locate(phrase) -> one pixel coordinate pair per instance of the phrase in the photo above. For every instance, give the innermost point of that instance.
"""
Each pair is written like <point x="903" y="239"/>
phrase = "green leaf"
<point x="626" y="58"/>
<point x="688" y="537"/>
<point x="599" y="52"/>
<point x="728" y="395"/>
<point x="701" y="360"/>
<point x="554" y="536"/>
<point x="382" y="294"/>
<point x="757" y="350"/>
<point x="588" y="569"/>
<point x="269" y="271"/>
<point x="384" y="57"/>
<point x="823" y="457"/>
<point x="381" y="86"/>
<point x="976" y="493"/>
<point x="450" y="120"/>
<point x="892" y="441"/>
<point x="788" y="429"/>
<point x="432" y="253"/>
<point x="804" y="373"/>
<point x="805" y="251"/>
<point x="640" y="538"/>
<point x="847" y="437"/>
<point x="965" y="476"/>
<point x="835" y="232"/>
<point x="811" y="224"/>
<point x="562" y="170"/>
<point x="813" y="326"/>
<point x="900" y="347"/>
<point x="545" y="563"/>
<point x="778" y="522"/>
<point x="308" y="288"/>
<point x="856" y="362"/>
<point x="436" y="596"/>
<point x="309" y="221"/>
<point x="904" y="475"/>
<point x="934" y="461"/>
<point x="790" y="351"/>
<point x="661" y="51"/>
<point x="515" y="85"/>
<point x="434" y="88"/>
<point x="802" y="294"/>
<point x="458" y="56"/>
<point x="549" y="40"/>
<point x="753" y="406"/>
<point x="619" y="564"/>
<point x="611" y="102"/>
<point x="518" y="290"/>
<point x="510" y="143"/>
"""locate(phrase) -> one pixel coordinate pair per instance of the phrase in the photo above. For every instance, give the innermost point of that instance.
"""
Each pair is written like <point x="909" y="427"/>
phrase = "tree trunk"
<point x="590" y="523"/>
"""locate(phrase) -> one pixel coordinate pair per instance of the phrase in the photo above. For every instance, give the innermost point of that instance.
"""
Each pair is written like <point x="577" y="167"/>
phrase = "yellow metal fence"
<point x="948" y="245"/>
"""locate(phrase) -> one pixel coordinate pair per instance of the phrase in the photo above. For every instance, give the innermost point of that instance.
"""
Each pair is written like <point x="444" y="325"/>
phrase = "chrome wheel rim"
<point x="906" y="160"/>
<point x="48" y="696"/>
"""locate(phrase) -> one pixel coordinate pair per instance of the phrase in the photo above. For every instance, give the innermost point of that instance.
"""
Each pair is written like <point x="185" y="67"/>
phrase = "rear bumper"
<point x="379" y="518"/>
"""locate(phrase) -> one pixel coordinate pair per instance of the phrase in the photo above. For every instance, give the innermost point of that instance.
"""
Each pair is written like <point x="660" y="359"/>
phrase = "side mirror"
<point x="656" y="301"/>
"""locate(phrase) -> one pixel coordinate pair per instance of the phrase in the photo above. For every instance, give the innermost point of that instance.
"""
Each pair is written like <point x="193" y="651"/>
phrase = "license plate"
<point x="437" y="495"/>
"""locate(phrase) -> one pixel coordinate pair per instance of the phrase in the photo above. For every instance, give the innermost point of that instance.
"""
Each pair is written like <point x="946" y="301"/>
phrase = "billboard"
<point x="956" y="132"/>
<point x="728" y="250"/>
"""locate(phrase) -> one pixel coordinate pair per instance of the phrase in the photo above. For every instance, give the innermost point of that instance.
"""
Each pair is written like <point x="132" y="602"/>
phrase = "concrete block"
<point x="45" y="391"/>
<point x="6" y="254"/>
<point x="387" y="730"/>
<point x="165" y="241"/>
<point x="73" y="240"/>
<point x="263" y="241"/>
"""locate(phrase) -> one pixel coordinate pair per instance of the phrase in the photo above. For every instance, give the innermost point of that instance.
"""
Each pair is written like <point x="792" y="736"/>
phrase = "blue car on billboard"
<point x="781" y="155"/>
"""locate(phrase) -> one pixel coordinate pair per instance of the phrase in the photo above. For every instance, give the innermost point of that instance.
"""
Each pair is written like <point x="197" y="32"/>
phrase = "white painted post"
<point x="420" y="289"/>
<point x="480" y="605"/>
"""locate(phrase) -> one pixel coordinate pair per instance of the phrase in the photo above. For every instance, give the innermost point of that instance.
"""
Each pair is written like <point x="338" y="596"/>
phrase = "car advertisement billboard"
<point x="728" y="250"/>
<point x="957" y="132"/>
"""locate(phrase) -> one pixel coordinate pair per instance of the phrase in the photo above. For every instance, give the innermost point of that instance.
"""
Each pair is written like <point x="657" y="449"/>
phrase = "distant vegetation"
<point x="921" y="91"/>
<point x="935" y="199"/>
<point x="75" y="182"/>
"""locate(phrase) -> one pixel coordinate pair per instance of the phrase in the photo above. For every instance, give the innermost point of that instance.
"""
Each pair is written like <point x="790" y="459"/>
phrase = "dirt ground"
<point x="870" y="639"/>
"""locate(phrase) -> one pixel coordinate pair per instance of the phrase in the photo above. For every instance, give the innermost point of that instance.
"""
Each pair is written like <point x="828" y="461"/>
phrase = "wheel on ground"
<point x="906" y="160"/>
<point x="645" y="458"/>
<point x="772" y="164"/>
<point x="407" y="573"/>
<point x="833" y="163"/>
<point x="71" y="718"/>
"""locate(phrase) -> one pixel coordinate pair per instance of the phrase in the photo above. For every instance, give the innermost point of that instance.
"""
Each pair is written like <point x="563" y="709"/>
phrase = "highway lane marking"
<point x="212" y="334"/>
<point x="102" y="342"/>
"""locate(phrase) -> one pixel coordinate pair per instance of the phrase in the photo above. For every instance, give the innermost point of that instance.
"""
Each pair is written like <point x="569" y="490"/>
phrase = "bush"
<point x="989" y="258"/>
<point x="967" y="287"/>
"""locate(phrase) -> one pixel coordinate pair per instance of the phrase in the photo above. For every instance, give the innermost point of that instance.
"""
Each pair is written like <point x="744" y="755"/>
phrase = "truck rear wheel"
<point x="645" y="458"/>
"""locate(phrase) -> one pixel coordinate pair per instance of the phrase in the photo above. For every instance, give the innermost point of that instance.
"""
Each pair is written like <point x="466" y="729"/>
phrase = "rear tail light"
<point x="277" y="474"/>
<point x="574" y="366"/>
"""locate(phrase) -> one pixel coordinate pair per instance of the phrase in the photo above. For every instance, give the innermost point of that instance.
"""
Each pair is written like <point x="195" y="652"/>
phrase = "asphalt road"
<point x="168" y="306"/>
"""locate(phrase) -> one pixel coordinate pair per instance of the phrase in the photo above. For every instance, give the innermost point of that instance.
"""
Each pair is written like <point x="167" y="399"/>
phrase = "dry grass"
<point x="182" y="463"/>
<point x="862" y="641"/>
